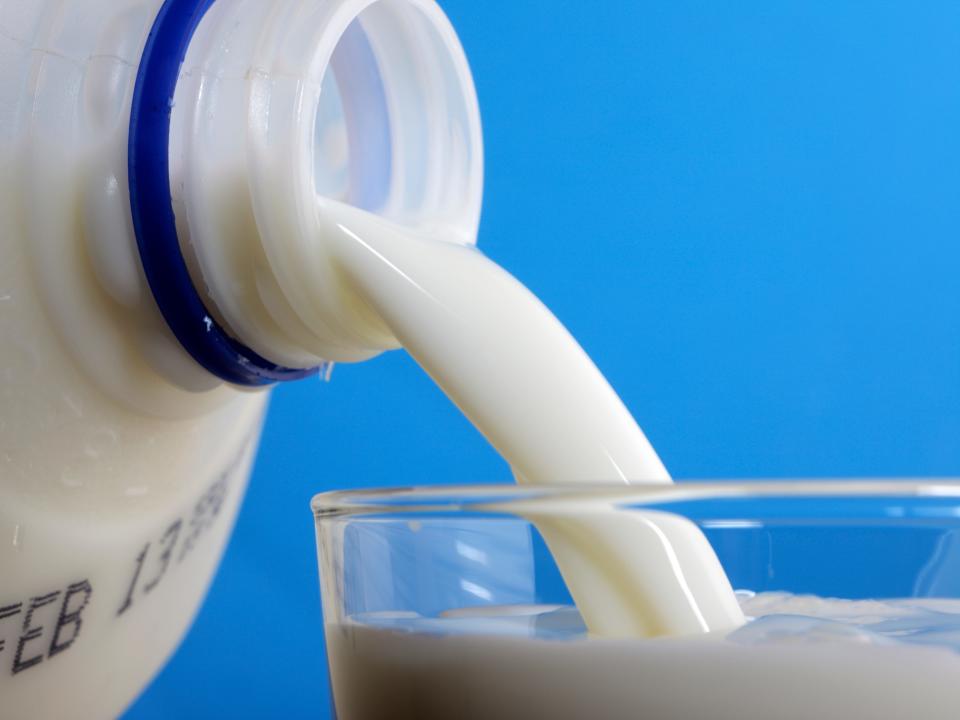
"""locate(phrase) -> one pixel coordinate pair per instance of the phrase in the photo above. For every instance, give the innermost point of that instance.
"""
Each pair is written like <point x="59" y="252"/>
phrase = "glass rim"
<point x="547" y="499"/>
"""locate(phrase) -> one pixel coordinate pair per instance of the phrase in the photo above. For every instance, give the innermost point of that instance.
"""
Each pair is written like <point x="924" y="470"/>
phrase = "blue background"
<point x="747" y="212"/>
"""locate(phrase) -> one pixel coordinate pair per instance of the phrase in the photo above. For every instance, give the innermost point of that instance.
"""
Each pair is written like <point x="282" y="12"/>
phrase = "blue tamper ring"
<point x="152" y="208"/>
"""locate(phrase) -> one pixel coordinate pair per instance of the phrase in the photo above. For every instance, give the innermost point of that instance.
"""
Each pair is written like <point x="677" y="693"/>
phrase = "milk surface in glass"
<point x="798" y="658"/>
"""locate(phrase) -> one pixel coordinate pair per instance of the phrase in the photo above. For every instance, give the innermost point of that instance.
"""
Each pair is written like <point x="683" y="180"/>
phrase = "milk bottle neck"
<point x="274" y="106"/>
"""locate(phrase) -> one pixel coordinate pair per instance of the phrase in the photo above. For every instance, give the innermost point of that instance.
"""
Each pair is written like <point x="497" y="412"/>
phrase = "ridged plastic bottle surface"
<point x="114" y="511"/>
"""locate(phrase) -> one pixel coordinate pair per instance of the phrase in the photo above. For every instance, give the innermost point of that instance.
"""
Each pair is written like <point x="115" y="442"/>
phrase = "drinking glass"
<point x="438" y="601"/>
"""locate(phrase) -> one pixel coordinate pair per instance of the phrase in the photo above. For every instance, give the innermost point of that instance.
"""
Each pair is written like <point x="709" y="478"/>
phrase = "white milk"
<point x="527" y="385"/>
<point x="495" y="350"/>
<point x="823" y="659"/>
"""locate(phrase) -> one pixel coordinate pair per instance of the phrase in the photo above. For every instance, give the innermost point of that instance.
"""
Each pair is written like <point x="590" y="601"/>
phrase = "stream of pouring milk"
<point x="528" y="386"/>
